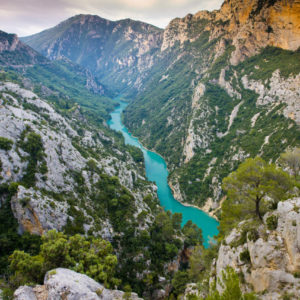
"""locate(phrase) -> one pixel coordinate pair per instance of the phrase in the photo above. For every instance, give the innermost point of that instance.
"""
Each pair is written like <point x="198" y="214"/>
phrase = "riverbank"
<point x="207" y="208"/>
<point x="156" y="171"/>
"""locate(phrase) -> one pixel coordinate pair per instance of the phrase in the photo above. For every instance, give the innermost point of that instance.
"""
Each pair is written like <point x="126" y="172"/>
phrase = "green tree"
<point x="91" y="256"/>
<point x="251" y="189"/>
<point x="193" y="234"/>
<point x="26" y="268"/>
<point x="179" y="282"/>
<point x="176" y="220"/>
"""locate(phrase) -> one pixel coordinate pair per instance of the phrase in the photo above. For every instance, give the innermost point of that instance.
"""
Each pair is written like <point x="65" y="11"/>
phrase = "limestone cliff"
<point x="251" y="25"/>
<point x="62" y="170"/>
<point x="66" y="284"/>
<point x="274" y="256"/>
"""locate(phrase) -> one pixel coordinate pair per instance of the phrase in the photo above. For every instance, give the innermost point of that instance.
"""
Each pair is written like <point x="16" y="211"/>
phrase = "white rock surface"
<point x="280" y="90"/>
<point x="36" y="209"/>
<point x="274" y="256"/>
<point x="68" y="285"/>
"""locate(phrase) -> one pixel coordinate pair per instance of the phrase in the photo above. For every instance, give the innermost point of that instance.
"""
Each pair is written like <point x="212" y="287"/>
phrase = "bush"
<point x="272" y="222"/>
<point x="5" y="144"/>
<point x="245" y="256"/>
<point x="90" y="256"/>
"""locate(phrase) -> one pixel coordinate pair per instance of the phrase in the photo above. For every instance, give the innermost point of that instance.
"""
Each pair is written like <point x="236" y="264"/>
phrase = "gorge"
<point x="156" y="171"/>
<point x="92" y="187"/>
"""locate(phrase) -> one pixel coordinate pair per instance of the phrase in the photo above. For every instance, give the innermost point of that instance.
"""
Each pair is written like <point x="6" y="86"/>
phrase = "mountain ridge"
<point x="207" y="50"/>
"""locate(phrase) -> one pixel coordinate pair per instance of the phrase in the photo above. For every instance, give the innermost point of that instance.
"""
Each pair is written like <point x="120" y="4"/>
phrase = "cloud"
<point x="31" y="16"/>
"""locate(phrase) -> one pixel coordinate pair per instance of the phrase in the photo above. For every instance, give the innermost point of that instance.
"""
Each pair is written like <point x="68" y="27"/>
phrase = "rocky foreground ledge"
<point x="68" y="285"/>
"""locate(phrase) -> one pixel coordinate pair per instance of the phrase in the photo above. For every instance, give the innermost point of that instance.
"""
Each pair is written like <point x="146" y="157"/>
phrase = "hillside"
<point x="227" y="108"/>
<point x="63" y="169"/>
<point x="117" y="52"/>
<point x="235" y="100"/>
<point x="211" y="91"/>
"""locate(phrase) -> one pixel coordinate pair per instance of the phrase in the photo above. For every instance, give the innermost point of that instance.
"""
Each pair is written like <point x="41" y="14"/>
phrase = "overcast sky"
<point x="26" y="17"/>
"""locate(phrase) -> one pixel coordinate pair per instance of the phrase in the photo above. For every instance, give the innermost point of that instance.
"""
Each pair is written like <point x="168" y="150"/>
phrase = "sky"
<point x="26" y="17"/>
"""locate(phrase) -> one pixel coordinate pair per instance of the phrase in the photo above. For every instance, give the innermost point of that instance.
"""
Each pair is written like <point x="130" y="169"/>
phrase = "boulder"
<point x="66" y="284"/>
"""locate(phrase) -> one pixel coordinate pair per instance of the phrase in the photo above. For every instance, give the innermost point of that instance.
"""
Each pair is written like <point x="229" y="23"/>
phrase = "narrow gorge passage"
<point x="156" y="170"/>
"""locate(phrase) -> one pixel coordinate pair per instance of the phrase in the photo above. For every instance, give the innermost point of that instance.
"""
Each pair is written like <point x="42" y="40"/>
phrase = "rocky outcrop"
<point x="251" y="25"/>
<point x="278" y="90"/>
<point x="66" y="284"/>
<point x="37" y="208"/>
<point x="26" y="55"/>
<point x="274" y="255"/>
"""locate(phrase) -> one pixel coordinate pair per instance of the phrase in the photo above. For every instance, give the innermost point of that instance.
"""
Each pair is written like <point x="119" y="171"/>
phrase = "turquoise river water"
<point x="156" y="170"/>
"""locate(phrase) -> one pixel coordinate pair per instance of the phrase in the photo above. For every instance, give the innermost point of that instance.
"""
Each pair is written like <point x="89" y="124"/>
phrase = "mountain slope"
<point x="196" y="100"/>
<point x="13" y="52"/>
<point x="231" y="104"/>
<point x="55" y="79"/>
<point x="117" y="52"/>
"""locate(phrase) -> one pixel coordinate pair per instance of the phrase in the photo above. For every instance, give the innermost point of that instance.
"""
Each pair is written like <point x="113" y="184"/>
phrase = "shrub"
<point x="272" y="222"/>
<point x="245" y="256"/>
<point x="5" y="144"/>
<point x="92" y="257"/>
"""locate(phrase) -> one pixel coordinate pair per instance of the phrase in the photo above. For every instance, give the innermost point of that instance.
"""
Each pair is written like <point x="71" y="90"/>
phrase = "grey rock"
<point x="66" y="284"/>
<point x="24" y="293"/>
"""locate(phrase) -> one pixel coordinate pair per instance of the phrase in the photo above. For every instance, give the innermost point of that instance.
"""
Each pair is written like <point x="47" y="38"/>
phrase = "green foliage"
<point x="230" y="284"/>
<point x="32" y="143"/>
<point x="179" y="282"/>
<point x="152" y="248"/>
<point x="90" y="256"/>
<point x="245" y="256"/>
<point x="200" y="262"/>
<point x="269" y="60"/>
<point x="5" y="144"/>
<point x="136" y="153"/>
<point x="248" y="189"/>
<point x="9" y="237"/>
<point x="272" y="222"/>
<point x="193" y="234"/>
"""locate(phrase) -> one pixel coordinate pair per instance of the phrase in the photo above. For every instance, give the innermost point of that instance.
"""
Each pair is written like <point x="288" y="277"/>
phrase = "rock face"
<point x="251" y="25"/>
<point x="118" y="52"/>
<point x="66" y="284"/>
<point x="274" y="255"/>
<point x="11" y="43"/>
<point x="40" y="208"/>
<point x="280" y="90"/>
<point x="196" y="123"/>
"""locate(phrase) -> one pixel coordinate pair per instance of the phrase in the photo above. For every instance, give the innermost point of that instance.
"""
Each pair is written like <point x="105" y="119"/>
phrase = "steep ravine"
<point x="201" y="124"/>
<point x="156" y="171"/>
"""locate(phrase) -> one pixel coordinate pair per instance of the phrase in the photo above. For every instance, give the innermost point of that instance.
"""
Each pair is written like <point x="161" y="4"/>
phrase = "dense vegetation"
<point x="167" y="116"/>
<point x="150" y="240"/>
<point x="91" y="256"/>
<point x="253" y="190"/>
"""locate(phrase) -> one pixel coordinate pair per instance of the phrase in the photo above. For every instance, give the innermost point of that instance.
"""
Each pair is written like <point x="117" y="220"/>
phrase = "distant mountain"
<point x="118" y="52"/>
<point x="55" y="78"/>
<point x="201" y="85"/>
<point x="15" y="53"/>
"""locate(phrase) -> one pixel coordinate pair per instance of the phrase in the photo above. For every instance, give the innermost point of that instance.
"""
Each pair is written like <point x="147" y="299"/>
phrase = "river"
<point x="156" y="170"/>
